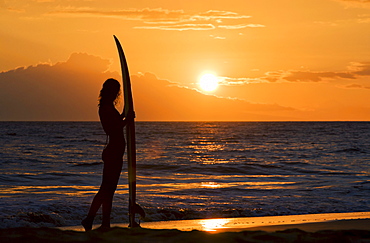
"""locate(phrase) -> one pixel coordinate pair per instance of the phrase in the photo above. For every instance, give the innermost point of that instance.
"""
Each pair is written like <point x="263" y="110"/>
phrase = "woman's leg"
<point x="111" y="174"/>
<point x="95" y="205"/>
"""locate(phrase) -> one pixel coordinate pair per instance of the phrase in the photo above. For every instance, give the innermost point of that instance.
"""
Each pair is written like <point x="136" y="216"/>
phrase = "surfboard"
<point x="134" y="208"/>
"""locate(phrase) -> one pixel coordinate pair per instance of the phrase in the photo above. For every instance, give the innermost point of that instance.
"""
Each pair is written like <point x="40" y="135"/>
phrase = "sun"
<point x="208" y="82"/>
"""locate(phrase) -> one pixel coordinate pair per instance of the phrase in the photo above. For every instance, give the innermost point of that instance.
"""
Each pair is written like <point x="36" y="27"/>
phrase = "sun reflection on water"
<point x="210" y="184"/>
<point x="213" y="224"/>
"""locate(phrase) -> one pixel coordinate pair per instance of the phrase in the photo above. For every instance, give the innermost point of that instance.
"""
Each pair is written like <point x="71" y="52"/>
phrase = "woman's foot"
<point x="103" y="228"/>
<point x="87" y="223"/>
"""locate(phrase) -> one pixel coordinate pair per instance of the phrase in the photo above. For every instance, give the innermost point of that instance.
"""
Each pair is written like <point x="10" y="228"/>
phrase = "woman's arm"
<point x="111" y="120"/>
<point x="129" y="118"/>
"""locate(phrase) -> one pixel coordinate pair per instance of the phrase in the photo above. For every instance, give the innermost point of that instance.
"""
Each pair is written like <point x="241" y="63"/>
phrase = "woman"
<point x="113" y="124"/>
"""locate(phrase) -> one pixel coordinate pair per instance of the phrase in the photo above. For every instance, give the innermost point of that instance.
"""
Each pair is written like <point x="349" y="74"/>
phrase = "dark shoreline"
<point x="118" y="234"/>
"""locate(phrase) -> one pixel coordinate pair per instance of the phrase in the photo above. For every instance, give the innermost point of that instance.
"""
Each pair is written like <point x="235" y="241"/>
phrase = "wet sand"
<point x="331" y="228"/>
<point x="118" y="234"/>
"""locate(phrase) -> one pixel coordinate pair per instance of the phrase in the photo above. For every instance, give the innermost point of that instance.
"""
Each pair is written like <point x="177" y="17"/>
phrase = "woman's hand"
<point x="130" y="116"/>
<point x="127" y="119"/>
<point x="123" y="114"/>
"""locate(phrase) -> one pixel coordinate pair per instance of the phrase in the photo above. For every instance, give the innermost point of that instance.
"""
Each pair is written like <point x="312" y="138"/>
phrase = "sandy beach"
<point x="273" y="229"/>
<point x="353" y="233"/>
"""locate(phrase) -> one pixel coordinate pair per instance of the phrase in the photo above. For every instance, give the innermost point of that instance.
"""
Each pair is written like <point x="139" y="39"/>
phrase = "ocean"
<point x="50" y="171"/>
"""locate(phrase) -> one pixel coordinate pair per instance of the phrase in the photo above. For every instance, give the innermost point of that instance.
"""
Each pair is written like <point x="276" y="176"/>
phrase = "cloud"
<point x="180" y="27"/>
<point x="363" y="18"/>
<point x="63" y="91"/>
<point x="354" y="71"/>
<point x="69" y="90"/>
<point x="146" y="14"/>
<point x="300" y="76"/>
<point x="218" y="15"/>
<point x="355" y="86"/>
<point x="155" y="97"/>
<point x="240" y="26"/>
<point x="159" y="99"/>
<point x="355" y="3"/>
<point x="227" y="81"/>
<point x="218" y="37"/>
<point x="359" y="19"/>
<point x="44" y="1"/>
<point x="6" y="6"/>
<point x="150" y="15"/>
<point x="361" y="69"/>
<point x="164" y="19"/>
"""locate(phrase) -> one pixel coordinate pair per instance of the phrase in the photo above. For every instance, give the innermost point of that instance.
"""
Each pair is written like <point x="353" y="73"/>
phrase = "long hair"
<point x="110" y="92"/>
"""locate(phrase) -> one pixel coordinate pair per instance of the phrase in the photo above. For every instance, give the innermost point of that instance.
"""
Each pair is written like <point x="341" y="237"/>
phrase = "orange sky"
<point x="275" y="60"/>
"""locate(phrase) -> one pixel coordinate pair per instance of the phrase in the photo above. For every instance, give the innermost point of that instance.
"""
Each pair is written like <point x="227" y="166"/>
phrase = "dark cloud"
<point x="299" y="76"/>
<point x="69" y="90"/>
<point x="158" y="99"/>
<point x="355" y="70"/>
<point x="356" y="86"/>
<point x="361" y="68"/>
<point x="63" y="91"/>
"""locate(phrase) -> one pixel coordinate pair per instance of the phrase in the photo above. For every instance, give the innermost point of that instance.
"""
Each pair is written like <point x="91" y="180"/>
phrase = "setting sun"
<point x="226" y="55"/>
<point x="208" y="82"/>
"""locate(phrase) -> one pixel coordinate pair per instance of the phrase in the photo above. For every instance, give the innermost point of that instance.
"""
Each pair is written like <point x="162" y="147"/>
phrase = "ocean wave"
<point x="51" y="171"/>
<point x="64" y="214"/>
<point x="351" y="150"/>
<point x="86" y="164"/>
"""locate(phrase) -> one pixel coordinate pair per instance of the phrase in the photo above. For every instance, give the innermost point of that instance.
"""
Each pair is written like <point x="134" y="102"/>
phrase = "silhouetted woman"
<point x="112" y="156"/>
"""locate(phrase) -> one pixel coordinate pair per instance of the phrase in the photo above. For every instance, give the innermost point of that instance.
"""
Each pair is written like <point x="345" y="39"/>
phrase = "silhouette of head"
<point x="110" y="92"/>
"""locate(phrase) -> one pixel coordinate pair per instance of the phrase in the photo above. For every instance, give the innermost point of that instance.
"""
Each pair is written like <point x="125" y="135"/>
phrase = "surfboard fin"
<point x="137" y="210"/>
